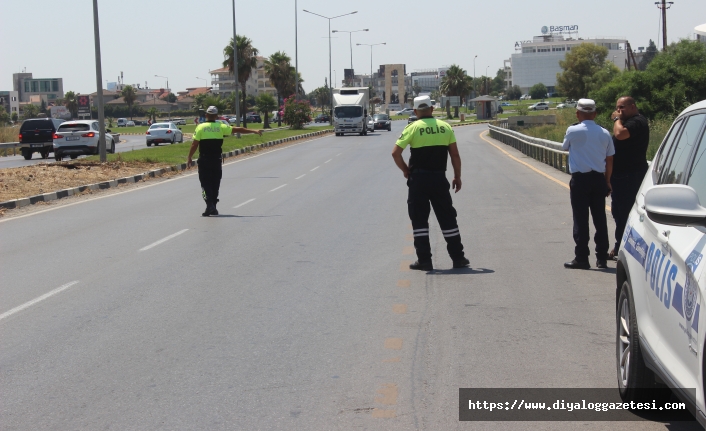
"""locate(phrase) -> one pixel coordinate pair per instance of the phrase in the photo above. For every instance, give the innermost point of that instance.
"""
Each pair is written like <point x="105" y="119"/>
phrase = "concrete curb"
<point x="47" y="197"/>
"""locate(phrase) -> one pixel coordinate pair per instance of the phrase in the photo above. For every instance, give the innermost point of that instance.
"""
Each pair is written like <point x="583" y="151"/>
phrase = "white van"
<point x="122" y="122"/>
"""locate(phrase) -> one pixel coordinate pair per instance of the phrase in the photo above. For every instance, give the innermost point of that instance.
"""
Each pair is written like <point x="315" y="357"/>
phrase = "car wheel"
<point x="174" y="140"/>
<point x="27" y="155"/>
<point x="181" y="139"/>
<point x="389" y="129"/>
<point x="73" y="156"/>
<point x="636" y="382"/>
<point x="58" y="158"/>
<point x="112" y="147"/>
<point x="149" y="144"/>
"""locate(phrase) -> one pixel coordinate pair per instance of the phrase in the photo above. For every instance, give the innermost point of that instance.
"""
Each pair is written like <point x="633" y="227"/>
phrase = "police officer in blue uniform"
<point x="591" y="153"/>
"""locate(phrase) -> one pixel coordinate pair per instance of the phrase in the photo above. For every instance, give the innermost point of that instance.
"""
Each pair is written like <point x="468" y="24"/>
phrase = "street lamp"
<point x="203" y="79"/>
<point x="329" y="50"/>
<point x="159" y="76"/>
<point x="474" y="77"/>
<point x="335" y="79"/>
<point x="486" y="80"/>
<point x="99" y="80"/>
<point x="235" y="74"/>
<point x="371" y="45"/>
<point x="350" y="39"/>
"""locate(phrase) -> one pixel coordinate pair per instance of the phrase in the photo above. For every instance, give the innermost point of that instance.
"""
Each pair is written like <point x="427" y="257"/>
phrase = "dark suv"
<point x="253" y="118"/>
<point x="37" y="135"/>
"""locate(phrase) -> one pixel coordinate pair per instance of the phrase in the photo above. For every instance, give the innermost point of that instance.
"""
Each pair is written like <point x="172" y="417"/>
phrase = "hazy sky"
<point x="184" y="39"/>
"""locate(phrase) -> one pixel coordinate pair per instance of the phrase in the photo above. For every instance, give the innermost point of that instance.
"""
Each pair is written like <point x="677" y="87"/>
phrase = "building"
<point x="700" y="31"/>
<point x="223" y="82"/>
<point x="10" y="100"/>
<point x="537" y="61"/>
<point x="27" y="86"/>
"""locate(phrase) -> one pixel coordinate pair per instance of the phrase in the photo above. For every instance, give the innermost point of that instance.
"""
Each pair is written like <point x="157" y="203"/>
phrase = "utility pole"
<point x="235" y="73"/>
<point x="99" y="81"/>
<point x="664" y="5"/>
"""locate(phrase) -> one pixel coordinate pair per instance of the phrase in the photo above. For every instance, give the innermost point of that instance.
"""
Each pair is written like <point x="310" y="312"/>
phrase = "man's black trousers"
<point x="431" y="187"/>
<point x="210" y="173"/>
<point x="625" y="188"/>
<point x="588" y="192"/>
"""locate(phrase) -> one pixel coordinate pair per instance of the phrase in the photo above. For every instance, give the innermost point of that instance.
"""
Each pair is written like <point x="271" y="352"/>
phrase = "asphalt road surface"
<point x="295" y="310"/>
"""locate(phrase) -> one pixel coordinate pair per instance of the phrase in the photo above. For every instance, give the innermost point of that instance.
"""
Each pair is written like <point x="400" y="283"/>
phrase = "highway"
<point x="295" y="309"/>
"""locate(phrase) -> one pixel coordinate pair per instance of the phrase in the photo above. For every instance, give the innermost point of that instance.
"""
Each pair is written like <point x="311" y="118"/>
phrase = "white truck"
<point x="350" y="110"/>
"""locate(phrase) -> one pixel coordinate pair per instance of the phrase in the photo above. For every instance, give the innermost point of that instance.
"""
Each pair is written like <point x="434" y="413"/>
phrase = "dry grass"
<point x="8" y="134"/>
<point x="33" y="180"/>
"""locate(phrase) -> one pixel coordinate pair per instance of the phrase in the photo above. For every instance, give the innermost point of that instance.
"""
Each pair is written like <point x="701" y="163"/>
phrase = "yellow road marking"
<point x="384" y="414"/>
<point x="409" y="237"/>
<point x="566" y="186"/>
<point x="404" y="265"/>
<point x="408" y="250"/>
<point x="404" y="283"/>
<point x="389" y="394"/>
<point x="393" y="343"/>
<point x="399" y="308"/>
<point x="395" y="359"/>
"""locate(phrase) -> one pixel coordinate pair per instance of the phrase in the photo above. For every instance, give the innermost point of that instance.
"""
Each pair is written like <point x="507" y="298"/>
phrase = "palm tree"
<point x="456" y="83"/>
<point x="152" y="114"/>
<point x="247" y="61"/>
<point x="278" y="69"/>
<point x="71" y="103"/>
<point x="289" y="89"/>
<point x="129" y="96"/>
<point x="213" y="100"/>
<point x="265" y="104"/>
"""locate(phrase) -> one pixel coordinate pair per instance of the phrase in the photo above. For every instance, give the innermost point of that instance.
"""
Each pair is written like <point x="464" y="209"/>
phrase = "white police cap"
<point x="586" y="105"/>
<point x="212" y="110"/>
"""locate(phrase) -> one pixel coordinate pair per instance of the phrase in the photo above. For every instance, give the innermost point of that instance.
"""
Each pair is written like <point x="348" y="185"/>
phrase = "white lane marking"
<point x="300" y="176"/>
<point x="328" y="160"/>
<point x="277" y="188"/>
<point x="142" y="187"/>
<point x="244" y="203"/>
<point x="338" y="154"/>
<point x="155" y="244"/>
<point x="314" y="169"/>
<point x="35" y="300"/>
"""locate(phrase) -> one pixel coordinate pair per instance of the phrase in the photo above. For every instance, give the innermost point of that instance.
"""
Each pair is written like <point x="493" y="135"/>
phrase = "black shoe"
<point x="422" y="266"/>
<point x="210" y="210"/>
<point x="574" y="264"/>
<point x="601" y="264"/>
<point x="462" y="263"/>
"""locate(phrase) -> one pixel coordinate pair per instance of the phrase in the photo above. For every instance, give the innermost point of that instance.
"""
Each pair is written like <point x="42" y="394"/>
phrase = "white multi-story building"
<point x="222" y="81"/>
<point x="700" y="31"/>
<point x="537" y="61"/>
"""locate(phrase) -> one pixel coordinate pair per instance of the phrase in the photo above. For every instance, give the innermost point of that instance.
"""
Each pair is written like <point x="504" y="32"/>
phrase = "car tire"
<point x="73" y="156"/>
<point x="27" y="155"/>
<point x="389" y="128"/>
<point x="149" y="144"/>
<point x="58" y="158"/>
<point x="112" y="147"/>
<point x="636" y="382"/>
<point x="174" y="140"/>
<point x="181" y="139"/>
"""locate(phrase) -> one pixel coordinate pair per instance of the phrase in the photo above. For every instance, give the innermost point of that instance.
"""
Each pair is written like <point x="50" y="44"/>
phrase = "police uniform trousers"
<point x="625" y="187"/>
<point x="588" y="192"/>
<point x="210" y="174"/>
<point x="432" y="187"/>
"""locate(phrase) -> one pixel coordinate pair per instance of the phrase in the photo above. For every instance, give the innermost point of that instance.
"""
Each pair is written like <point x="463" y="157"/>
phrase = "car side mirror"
<point x="179" y="128"/>
<point x="108" y="130"/>
<point x="674" y="205"/>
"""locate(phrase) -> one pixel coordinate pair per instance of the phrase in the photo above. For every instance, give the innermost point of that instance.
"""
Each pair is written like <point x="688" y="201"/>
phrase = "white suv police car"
<point x="660" y="272"/>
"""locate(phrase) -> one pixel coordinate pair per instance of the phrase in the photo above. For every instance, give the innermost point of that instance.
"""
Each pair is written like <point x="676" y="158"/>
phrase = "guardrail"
<point x="545" y="151"/>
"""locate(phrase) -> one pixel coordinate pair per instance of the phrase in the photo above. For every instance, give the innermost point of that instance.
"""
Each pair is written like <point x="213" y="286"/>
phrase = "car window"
<point x="697" y="178"/>
<point x="662" y="156"/>
<point x="37" y="125"/>
<point x="159" y="126"/>
<point x="73" y="127"/>
<point x="675" y="166"/>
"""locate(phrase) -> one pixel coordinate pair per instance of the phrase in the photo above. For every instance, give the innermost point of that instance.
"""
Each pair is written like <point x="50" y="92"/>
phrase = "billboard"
<point x="84" y="105"/>
<point x="60" y="112"/>
<point x="442" y="71"/>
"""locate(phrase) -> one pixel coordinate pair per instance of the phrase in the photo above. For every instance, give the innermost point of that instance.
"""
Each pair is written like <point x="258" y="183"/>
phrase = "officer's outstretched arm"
<point x="399" y="160"/>
<point x="245" y="130"/>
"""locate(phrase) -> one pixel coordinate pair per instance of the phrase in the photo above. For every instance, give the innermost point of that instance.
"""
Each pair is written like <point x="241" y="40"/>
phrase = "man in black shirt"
<point x="631" y="136"/>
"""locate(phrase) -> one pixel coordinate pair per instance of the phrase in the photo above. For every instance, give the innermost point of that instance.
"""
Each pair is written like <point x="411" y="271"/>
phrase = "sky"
<point x="184" y="39"/>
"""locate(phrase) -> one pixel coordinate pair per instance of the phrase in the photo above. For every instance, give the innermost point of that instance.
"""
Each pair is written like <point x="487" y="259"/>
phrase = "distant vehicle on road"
<point x="525" y="97"/>
<point x="405" y="111"/>
<point x="382" y="121"/>
<point x="130" y="124"/>
<point x="36" y="136"/>
<point x="179" y="121"/>
<point x="566" y="104"/>
<point x="412" y="118"/>
<point x="660" y="275"/>
<point x="163" y="133"/>
<point x="539" y="106"/>
<point x="371" y="124"/>
<point x="322" y="118"/>
<point x="505" y="104"/>
<point x="76" y="138"/>
<point x="253" y="117"/>
<point x="122" y="122"/>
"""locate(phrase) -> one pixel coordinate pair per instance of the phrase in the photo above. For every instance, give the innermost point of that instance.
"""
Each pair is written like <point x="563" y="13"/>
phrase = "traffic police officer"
<point x="208" y="139"/>
<point x="430" y="141"/>
<point x="591" y="152"/>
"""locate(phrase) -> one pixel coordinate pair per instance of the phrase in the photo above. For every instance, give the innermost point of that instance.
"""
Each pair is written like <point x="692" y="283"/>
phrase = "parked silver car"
<point x="165" y="133"/>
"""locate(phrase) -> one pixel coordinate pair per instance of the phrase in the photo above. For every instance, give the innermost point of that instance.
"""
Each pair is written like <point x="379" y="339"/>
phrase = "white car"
<point x="660" y="272"/>
<point x="405" y="111"/>
<point x="371" y="124"/>
<point x="525" y="97"/>
<point x="165" y="133"/>
<point x="75" y="138"/>
<point x="122" y="122"/>
<point x="130" y="124"/>
<point x="539" y="106"/>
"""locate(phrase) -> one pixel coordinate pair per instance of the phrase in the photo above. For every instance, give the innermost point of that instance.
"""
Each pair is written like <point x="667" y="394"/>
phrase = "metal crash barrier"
<point x="545" y="151"/>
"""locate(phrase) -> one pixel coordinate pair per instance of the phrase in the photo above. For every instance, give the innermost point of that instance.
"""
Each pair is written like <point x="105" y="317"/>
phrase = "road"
<point x="295" y="309"/>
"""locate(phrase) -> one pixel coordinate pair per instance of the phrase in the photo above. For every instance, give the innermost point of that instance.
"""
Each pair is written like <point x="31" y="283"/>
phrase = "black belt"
<point x="587" y="173"/>
<point x="427" y="171"/>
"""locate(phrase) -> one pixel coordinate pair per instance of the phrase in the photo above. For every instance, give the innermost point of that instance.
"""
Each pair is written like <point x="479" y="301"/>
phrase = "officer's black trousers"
<point x="210" y="173"/>
<point x="432" y="188"/>
<point x="588" y="192"/>
<point x="625" y="187"/>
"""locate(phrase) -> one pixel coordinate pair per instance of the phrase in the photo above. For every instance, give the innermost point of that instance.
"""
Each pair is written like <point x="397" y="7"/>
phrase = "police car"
<point x="660" y="272"/>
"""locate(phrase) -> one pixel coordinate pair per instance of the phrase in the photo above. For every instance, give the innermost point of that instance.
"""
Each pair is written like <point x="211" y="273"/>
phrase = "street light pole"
<point x="296" y="55"/>
<point x="329" y="52"/>
<point x="350" y="39"/>
<point x="474" y="76"/>
<point x="371" y="45"/>
<point x="99" y="81"/>
<point x="235" y="73"/>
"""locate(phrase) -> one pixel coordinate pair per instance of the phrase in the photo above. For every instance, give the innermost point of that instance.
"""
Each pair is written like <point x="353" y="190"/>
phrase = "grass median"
<point x="177" y="153"/>
<point x="188" y="128"/>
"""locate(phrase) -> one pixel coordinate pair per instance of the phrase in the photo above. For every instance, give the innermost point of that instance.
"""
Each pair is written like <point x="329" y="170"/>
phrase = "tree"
<point x="498" y="84"/>
<point x="129" y="95"/>
<point x="580" y="65"/>
<point x="296" y="112"/>
<point x="4" y="117"/>
<point x="247" y="61"/>
<point x="71" y="103"/>
<point x="513" y="93"/>
<point x="675" y="79"/>
<point x="171" y="98"/>
<point x="650" y="54"/>
<point x="323" y="97"/>
<point x="43" y="107"/>
<point x="538" y="91"/>
<point x="456" y="83"/>
<point x="416" y="89"/>
<point x="278" y="69"/>
<point x="13" y="117"/>
<point x="30" y="111"/>
<point x="213" y="100"/>
<point x="265" y="104"/>
<point x="152" y="114"/>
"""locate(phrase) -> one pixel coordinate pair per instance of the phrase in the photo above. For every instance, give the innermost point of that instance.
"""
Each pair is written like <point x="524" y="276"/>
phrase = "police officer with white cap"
<point x="591" y="152"/>
<point x="208" y="139"/>
<point x="431" y="141"/>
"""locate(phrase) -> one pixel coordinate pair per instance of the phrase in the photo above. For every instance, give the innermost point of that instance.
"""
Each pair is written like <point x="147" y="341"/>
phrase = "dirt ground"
<point x="34" y="180"/>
